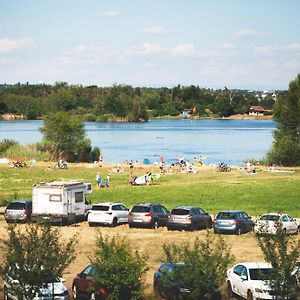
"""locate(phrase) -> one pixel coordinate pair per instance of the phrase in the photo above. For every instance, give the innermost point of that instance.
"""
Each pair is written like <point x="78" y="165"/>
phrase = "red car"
<point x="82" y="286"/>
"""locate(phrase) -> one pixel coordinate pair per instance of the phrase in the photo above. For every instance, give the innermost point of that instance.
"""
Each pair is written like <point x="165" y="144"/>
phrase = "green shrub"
<point x="119" y="269"/>
<point x="206" y="263"/>
<point x="6" y="144"/>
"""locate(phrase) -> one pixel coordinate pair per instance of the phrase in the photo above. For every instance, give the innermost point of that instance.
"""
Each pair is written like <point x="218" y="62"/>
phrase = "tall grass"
<point x="25" y="152"/>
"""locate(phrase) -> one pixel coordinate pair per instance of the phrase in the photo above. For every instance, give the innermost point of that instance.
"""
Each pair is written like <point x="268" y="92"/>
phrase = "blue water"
<point x="231" y="141"/>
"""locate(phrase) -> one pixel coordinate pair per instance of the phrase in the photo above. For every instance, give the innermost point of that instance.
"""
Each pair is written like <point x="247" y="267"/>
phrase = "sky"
<point x="247" y="44"/>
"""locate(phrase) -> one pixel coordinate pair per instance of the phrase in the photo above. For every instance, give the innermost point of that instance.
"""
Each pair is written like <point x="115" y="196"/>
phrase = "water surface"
<point x="231" y="141"/>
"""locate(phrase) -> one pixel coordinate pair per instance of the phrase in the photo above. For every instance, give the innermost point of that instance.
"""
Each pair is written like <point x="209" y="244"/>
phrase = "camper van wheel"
<point x="114" y="222"/>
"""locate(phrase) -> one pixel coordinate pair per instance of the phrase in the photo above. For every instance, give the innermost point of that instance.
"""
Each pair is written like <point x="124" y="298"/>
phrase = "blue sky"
<point x="252" y="44"/>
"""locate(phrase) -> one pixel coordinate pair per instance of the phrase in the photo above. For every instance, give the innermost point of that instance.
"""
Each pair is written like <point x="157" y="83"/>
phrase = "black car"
<point x="233" y="221"/>
<point x="189" y="217"/>
<point x="148" y="214"/>
<point x="18" y="211"/>
<point x="169" y="283"/>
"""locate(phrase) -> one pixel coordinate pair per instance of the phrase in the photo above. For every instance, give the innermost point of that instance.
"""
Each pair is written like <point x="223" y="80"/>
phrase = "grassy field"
<point x="213" y="191"/>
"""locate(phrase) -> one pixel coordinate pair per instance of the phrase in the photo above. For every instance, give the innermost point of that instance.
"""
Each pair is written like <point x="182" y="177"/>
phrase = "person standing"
<point x="99" y="180"/>
<point x="107" y="181"/>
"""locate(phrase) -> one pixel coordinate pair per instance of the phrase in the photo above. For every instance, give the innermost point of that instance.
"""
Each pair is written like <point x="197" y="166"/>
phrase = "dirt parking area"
<point x="150" y="241"/>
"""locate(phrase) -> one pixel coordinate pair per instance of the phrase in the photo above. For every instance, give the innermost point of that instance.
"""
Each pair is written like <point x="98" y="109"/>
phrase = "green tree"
<point x="119" y="269"/>
<point x="34" y="255"/>
<point x="283" y="253"/>
<point x="206" y="263"/>
<point x="286" y="145"/>
<point x="65" y="132"/>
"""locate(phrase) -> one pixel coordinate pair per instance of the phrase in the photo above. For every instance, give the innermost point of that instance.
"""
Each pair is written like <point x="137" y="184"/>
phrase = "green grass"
<point x="256" y="194"/>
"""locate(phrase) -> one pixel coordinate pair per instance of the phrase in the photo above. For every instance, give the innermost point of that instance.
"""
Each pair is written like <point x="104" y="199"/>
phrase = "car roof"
<point x="255" y="265"/>
<point x="185" y="207"/>
<point x="231" y="211"/>
<point x="106" y="203"/>
<point x="147" y="204"/>
<point x="21" y="201"/>
<point x="273" y="214"/>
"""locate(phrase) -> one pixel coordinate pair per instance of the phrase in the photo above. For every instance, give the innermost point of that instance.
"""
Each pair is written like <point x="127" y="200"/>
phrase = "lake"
<point x="230" y="141"/>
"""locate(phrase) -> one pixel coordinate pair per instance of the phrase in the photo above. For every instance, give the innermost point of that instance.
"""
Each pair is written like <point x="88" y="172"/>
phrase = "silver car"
<point x="18" y="211"/>
<point x="189" y="217"/>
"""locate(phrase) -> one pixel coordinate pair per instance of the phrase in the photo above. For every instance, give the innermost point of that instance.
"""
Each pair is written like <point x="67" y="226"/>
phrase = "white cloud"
<point x="145" y="49"/>
<point x="112" y="13"/>
<point x="226" y="46"/>
<point x="184" y="50"/>
<point x="246" y="33"/>
<point x="293" y="47"/>
<point x="264" y="50"/>
<point x="155" y="30"/>
<point x="9" y="45"/>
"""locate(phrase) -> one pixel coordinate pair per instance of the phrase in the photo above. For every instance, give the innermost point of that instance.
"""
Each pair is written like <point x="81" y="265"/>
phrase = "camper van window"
<point x="55" y="198"/>
<point x="79" y="197"/>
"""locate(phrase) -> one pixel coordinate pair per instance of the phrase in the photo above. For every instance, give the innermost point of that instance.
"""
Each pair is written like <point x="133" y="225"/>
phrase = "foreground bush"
<point x="35" y="256"/>
<point x="206" y="263"/>
<point x="119" y="270"/>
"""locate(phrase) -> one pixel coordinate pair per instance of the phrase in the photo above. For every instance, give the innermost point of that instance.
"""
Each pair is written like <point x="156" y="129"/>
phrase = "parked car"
<point x="271" y="223"/>
<point x="148" y="214"/>
<point x="46" y="293"/>
<point x="167" y="282"/>
<point x="82" y="286"/>
<point x="248" y="281"/>
<point x="108" y="213"/>
<point x="188" y="217"/>
<point x="18" y="211"/>
<point x="233" y="221"/>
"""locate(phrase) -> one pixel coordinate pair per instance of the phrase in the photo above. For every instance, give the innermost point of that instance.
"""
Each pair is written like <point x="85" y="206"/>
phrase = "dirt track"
<point x="244" y="247"/>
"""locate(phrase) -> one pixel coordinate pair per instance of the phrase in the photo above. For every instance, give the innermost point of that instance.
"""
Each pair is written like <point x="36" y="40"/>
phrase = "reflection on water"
<point x="231" y="141"/>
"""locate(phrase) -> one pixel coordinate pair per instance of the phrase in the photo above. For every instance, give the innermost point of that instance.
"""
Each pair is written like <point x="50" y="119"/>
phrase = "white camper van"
<point x="60" y="202"/>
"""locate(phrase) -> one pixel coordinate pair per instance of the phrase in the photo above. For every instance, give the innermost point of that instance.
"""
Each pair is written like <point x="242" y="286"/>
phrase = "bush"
<point x="35" y="255"/>
<point x="6" y="144"/>
<point x="283" y="253"/>
<point x="206" y="264"/>
<point x="119" y="270"/>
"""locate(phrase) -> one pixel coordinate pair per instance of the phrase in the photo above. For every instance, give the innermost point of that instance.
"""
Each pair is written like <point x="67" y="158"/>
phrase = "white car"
<point x="247" y="280"/>
<point x="60" y="290"/>
<point x="270" y="223"/>
<point x="108" y="213"/>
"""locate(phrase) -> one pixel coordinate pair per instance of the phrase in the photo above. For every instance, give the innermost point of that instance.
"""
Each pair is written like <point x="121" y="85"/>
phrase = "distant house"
<point x="259" y="111"/>
<point x="187" y="112"/>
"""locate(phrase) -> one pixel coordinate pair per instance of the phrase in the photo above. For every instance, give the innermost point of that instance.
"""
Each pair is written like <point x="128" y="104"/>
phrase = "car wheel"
<point x="130" y="225"/>
<point x="155" y="224"/>
<point x="114" y="222"/>
<point x="229" y="291"/>
<point x="75" y="294"/>
<point x="249" y="295"/>
<point x="169" y="228"/>
<point x="91" y="224"/>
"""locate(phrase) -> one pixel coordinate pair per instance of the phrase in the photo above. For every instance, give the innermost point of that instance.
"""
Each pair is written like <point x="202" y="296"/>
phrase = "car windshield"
<point x="100" y="207"/>
<point x="140" y="209"/>
<point x="16" y="205"/>
<point x="180" y="211"/>
<point x="269" y="218"/>
<point x="226" y="215"/>
<point x="260" y="274"/>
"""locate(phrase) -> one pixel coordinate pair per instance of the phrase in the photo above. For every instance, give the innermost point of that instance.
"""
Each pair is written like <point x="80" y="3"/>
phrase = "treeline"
<point x="124" y="102"/>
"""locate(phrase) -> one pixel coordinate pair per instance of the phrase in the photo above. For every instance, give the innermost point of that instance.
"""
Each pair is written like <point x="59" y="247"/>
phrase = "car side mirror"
<point x="244" y="277"/>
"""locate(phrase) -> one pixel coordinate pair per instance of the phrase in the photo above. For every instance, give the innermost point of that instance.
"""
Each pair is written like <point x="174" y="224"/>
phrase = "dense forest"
<point x="127" y="103"/>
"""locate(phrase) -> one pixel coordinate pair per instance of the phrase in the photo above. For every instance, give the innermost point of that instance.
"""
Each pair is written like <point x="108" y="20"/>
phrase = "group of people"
<point x="103" y="183"/>
<point x="62" y="164"/>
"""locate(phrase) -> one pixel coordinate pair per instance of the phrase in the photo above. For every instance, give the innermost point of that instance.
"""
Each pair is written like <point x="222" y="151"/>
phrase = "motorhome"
<point x="60" y="202"/>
